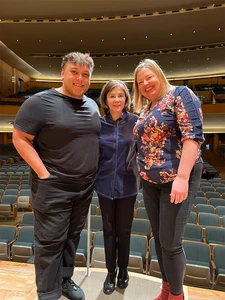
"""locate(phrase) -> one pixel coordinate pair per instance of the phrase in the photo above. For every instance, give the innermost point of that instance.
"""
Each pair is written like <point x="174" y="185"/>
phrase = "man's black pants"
<point x="60" y="208"/>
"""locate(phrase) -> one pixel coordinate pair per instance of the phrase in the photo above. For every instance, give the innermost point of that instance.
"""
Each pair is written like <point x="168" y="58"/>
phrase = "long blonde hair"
<point x="138" y="99"/>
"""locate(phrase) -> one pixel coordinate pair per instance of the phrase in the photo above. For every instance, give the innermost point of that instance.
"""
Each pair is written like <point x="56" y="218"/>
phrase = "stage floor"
<point x="17" y="282"/>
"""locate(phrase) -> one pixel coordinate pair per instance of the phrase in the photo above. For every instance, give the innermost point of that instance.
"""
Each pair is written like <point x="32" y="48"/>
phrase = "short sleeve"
<point x="189" y="115"/>
<point x="31" y="116"/>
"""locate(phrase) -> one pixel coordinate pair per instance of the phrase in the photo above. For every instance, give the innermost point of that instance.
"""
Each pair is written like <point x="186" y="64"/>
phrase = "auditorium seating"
<point x="193" y="232"/>
<point x="204" y="208"/>
<point x="200" y="200"/>
<point x="96" y="223"/>
<point x="98" y="252"/>
<point x="23" y="202"/>
<point x="138" y="253"/>
<point x="218" y="255"/>
<point x="192" y="218"/>
<point x="22" y="248"/>
<point x="220" y="211"/>
<point x="27" y="220"/>
<point x="141" y="227"/>
<point x="141" y="213"/>
<point x="154" y="269"/>
<point x="81" y="254"/>
<point x="215" y="235"/>
<point x="94" y="209"/>
<point x="7" y="238"/>
<point x="216" y="202"/>
<point x="8" y="206"/>
<point x="199" y="268"/>
<point x="208" y="219"/>
<point x="143" y="258"/>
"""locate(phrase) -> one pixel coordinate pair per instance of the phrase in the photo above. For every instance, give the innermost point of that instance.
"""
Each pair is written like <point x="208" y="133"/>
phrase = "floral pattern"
<point x="160" y="133"/>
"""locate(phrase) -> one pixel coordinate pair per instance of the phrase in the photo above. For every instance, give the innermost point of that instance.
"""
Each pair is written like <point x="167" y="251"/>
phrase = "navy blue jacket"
<point x="115" y="177"/>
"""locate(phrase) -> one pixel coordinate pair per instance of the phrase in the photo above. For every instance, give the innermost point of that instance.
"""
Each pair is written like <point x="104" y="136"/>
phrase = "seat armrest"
<point x="14" y="207"/>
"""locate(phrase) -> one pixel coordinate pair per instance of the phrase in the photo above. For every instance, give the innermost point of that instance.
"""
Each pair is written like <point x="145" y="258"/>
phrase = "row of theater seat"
<point x="205" y="262"/>
<point x="14" y="191"/>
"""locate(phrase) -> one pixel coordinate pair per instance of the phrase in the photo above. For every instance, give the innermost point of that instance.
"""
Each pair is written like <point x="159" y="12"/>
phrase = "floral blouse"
<point x="161" y="131"/>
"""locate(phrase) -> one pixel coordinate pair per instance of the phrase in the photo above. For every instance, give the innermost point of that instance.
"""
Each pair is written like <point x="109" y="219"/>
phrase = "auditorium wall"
<point x="45" y="84"/>
<point x="12" y="80"/>
<point x="5" y="138"/>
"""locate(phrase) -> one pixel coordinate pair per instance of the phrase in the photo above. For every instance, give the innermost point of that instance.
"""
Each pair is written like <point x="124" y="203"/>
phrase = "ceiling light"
<point x="171" y="34"/>
<point x="193" y="31"/>
<point x="81" y="41"/>
<point x="207" y="58"/>
<point x="39" y="41"/>
<point x="102" y="40"/>
<point x="146" y="36"/>
<point x="124" y="38"/>
<point x="17" y="40"/>
<point x="219" y="28"/>
<point x="171" y="62"/>
<point x="60" y="41"/>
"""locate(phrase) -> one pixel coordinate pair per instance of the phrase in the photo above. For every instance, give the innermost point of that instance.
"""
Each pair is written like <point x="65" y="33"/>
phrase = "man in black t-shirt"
<point x="56" y="133"/>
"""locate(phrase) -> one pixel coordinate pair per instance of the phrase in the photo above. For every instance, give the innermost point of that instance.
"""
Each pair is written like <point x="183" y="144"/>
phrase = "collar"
<point x="108" y="117"/>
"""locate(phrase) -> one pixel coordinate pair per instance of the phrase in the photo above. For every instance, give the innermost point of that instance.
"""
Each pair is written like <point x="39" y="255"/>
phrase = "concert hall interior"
<point x="187" y="39"/>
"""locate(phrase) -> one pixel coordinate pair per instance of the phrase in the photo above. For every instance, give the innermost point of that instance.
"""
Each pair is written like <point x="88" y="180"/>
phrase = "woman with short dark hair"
<point x="116" y="183"/>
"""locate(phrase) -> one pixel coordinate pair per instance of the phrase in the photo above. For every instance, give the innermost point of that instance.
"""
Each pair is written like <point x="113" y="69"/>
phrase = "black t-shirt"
<point x="66" y="132"/>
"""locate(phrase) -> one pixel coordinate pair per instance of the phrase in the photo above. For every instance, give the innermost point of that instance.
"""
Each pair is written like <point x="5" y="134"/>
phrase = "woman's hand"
<point x="179" y="190"/>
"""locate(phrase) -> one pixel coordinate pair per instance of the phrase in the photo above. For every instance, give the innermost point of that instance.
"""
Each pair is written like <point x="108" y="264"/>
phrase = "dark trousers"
<point x="168" y="222"/>
<point x="60" y="209"/>
<point x="117" y="217"/>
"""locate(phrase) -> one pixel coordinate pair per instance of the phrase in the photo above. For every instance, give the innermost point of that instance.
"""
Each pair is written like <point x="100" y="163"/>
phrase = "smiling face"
<point x="115" y="100"/>
<point x="148" y="84"/>
<point x="76" y="80"/>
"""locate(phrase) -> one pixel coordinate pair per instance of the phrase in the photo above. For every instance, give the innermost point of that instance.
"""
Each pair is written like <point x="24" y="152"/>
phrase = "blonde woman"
<point x="169" y="136"/>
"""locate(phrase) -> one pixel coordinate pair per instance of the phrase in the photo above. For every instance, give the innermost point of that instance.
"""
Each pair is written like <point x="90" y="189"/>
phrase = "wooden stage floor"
<point x="17" y="282"/>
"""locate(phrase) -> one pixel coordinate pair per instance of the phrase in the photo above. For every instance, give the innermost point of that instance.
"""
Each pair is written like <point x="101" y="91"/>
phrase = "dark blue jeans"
<point x="168" y="222"/>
